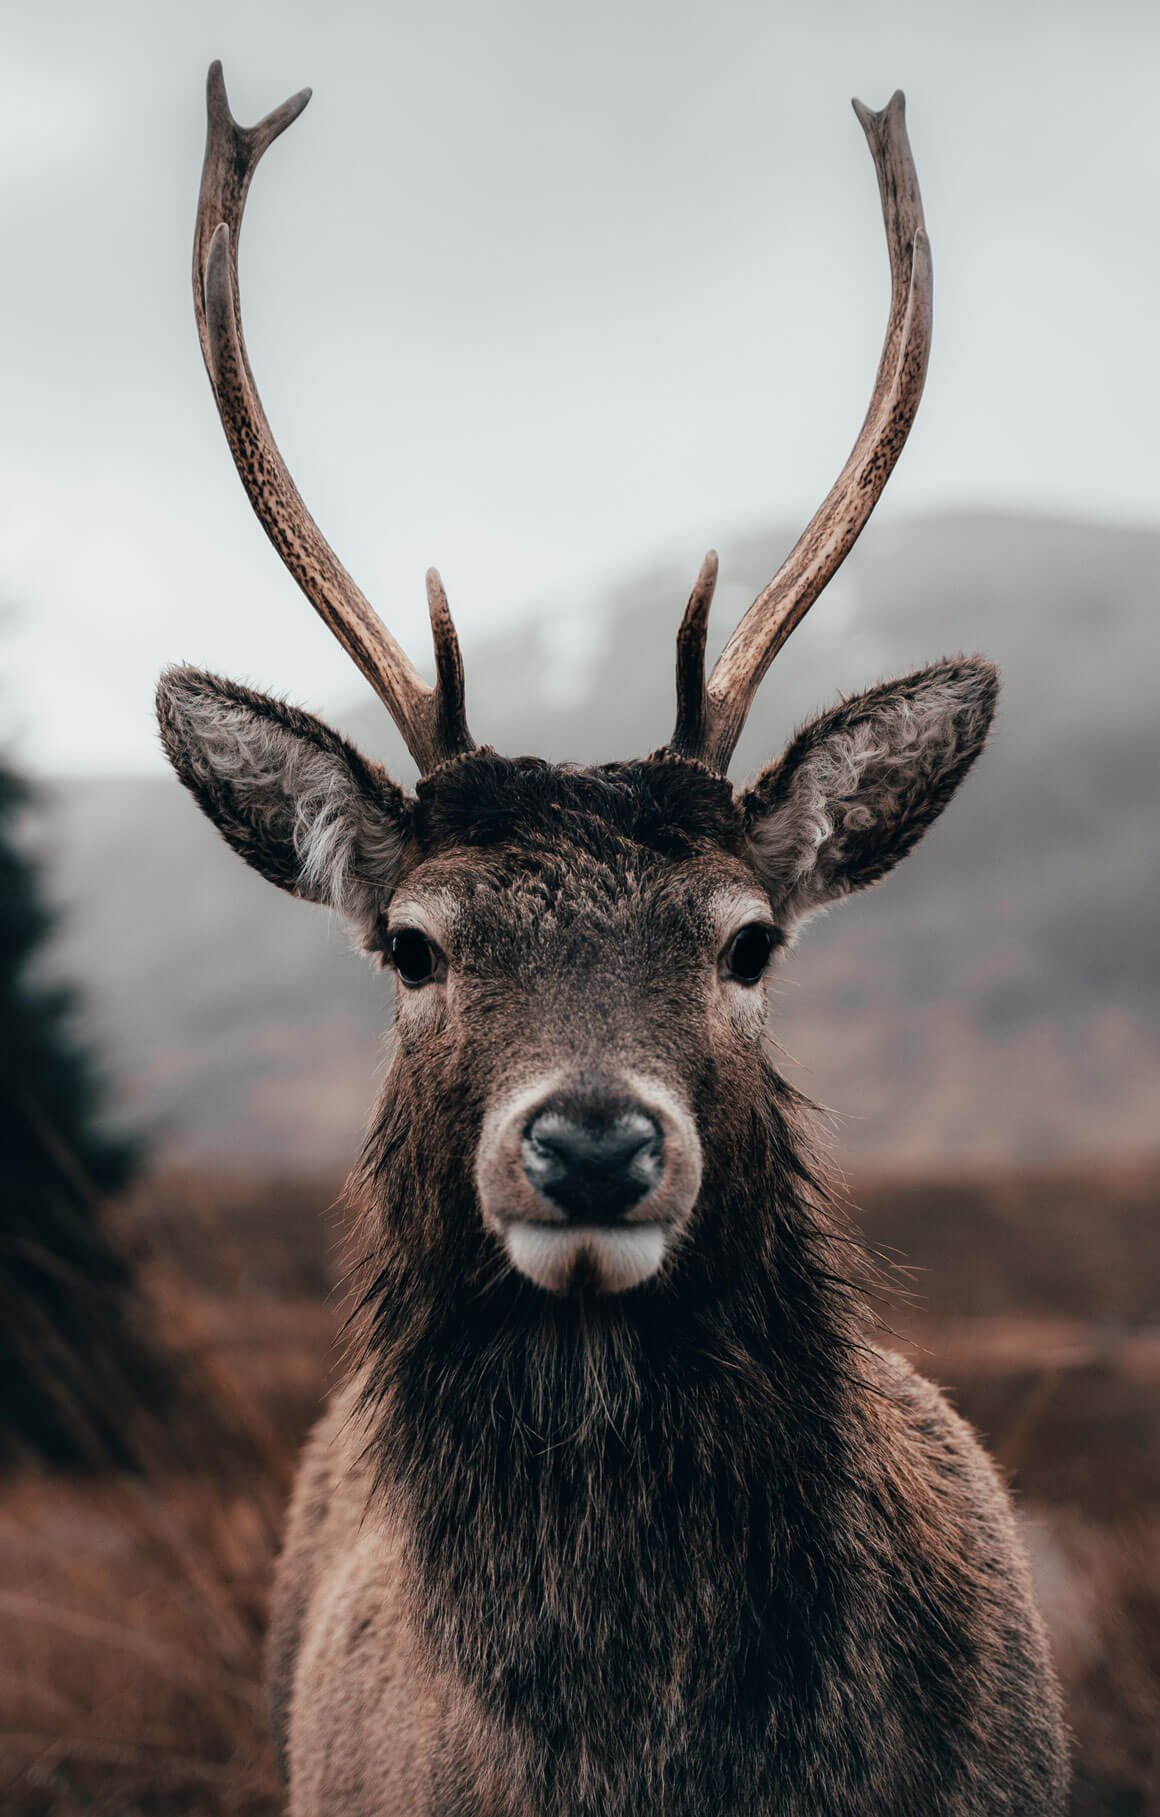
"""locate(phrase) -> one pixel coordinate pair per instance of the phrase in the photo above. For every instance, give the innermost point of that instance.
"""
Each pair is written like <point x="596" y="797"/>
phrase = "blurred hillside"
<point x="994" y="1001"/>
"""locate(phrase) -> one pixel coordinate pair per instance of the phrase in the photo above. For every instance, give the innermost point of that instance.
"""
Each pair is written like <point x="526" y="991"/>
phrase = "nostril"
<point x="593" y="1171"/>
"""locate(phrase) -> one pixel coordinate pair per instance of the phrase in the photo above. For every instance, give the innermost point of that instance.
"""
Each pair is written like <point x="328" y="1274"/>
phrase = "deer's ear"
<point x="299" y="803"/>
<point x="859" y="785"/>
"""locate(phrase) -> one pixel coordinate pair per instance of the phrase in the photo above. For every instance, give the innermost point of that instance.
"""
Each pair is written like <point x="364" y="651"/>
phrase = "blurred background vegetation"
<point x="71" y="1357"/>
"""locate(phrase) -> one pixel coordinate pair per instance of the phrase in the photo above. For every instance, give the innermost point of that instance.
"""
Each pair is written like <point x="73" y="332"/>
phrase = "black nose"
<point x="594" y="1169"/>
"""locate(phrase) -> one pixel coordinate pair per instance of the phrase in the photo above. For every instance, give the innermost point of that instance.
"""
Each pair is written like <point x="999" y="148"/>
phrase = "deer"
<point x="620" y="1506"/>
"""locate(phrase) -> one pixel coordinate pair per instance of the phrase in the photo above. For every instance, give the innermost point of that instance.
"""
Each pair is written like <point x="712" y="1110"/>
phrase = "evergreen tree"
<point x="72" y="1364"/>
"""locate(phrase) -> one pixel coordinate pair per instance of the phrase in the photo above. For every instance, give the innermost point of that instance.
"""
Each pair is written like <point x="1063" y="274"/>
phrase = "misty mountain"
<point x="994" y="999"/>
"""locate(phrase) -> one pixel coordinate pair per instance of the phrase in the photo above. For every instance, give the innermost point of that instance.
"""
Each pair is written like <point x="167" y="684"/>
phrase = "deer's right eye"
<point x="414" y="957"/>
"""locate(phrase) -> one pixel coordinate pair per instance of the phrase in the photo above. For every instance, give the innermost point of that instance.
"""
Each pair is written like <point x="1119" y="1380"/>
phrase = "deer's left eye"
<point x="749" y="952"/>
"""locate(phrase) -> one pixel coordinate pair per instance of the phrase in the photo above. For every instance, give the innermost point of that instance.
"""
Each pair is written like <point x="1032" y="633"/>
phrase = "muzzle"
<point x="589" y="1183"/>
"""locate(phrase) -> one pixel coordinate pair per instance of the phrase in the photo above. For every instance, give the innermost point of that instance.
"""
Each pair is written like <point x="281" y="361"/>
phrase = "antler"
<point x="431" y="720"/>
<point x="710" y="718"/>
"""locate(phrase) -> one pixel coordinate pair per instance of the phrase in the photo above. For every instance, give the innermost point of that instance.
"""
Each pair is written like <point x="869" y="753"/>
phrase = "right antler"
<point x="710" y="718"/>
<point x="431" y="720"/>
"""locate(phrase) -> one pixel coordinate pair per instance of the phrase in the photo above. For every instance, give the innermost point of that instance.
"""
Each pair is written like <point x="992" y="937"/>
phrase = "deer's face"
<point x="575" y="953"/>
<point x="581" y="955"/>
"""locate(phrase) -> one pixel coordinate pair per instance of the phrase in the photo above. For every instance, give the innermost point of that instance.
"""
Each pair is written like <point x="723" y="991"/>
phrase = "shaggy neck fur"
<point x="627" y="1519"/>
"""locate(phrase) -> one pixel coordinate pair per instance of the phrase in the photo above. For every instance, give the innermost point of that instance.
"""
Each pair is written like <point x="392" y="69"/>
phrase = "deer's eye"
<point x="414" y="957"/>
<point x="748" y="953"/>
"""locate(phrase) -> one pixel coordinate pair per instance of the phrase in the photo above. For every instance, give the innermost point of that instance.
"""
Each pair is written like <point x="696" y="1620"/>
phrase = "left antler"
<point x="432" y="720"/>
<point x="710" y="718"/>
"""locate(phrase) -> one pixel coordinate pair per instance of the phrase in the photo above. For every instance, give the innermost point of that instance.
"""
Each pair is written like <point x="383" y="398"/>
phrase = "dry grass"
<point x="132" y="1612"/>
<point x="131" y="1622"/>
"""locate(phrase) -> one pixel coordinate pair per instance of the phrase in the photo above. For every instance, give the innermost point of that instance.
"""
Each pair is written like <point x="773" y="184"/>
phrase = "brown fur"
<point x="695" y="1548"/>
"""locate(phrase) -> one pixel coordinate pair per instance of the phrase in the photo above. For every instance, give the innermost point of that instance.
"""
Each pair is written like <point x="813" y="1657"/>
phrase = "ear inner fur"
<point x="859" y="785"/>
<point x="295" y="800"/>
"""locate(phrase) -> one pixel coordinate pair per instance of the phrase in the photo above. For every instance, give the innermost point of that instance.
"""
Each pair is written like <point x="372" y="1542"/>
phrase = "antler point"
<point x="217" y="100"/>
<point x="869" y="117"/>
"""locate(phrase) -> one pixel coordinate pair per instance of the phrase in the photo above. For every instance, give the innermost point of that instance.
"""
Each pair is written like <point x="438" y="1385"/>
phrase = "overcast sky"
<point x="537" y="292"/>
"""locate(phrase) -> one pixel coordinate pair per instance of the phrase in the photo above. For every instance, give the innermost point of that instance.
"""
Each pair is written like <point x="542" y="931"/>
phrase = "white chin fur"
<point x="614" y="1259"/>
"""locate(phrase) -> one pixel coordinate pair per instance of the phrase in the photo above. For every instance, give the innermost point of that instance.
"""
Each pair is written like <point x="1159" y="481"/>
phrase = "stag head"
<point x="580" y="1057"/>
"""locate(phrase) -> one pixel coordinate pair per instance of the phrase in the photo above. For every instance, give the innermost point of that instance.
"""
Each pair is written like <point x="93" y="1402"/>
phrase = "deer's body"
<point x="619" y="1513"/>
<point x="699" y="1551"/>
<point x="899" y="1666"/>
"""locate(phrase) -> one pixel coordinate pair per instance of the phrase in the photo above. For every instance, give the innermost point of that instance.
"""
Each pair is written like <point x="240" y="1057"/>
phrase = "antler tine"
<point x="837" y="524"/>
<point x="449" y="690"/>
<point x="692" y="700"/>
<point x="431" y="720"/>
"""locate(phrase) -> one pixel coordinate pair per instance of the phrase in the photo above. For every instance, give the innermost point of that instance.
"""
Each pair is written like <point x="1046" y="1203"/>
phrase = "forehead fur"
<point x="669" y="807"/>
